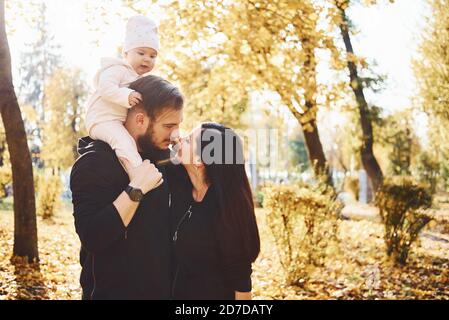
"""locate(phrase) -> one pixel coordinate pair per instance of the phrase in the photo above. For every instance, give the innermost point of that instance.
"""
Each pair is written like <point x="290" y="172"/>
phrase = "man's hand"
<point x="134" y="98"/>
<point x="145" y="177"/>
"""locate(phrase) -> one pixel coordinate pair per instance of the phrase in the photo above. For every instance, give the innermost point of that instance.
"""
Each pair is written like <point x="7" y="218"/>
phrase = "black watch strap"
<point x="134" y="194"/>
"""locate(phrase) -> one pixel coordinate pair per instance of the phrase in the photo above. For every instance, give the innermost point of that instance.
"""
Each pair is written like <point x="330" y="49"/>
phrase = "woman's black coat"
<point x="209" y="259"/>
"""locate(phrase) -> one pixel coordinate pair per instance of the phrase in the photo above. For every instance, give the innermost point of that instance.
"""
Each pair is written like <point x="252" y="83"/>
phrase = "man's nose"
<point x="174" y="135"/>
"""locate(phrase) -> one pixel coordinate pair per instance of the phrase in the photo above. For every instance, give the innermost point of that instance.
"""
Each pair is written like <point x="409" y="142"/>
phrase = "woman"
<point x="215" y="234"/>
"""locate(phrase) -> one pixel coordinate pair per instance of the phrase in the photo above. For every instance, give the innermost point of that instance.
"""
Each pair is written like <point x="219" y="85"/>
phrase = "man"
<point x="122" y="217"/>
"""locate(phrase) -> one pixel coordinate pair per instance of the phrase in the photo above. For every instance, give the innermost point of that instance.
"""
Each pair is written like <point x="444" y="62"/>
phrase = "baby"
<point x="108" y="106"/>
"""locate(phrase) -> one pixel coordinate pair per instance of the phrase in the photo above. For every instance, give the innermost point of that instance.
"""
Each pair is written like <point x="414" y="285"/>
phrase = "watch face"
<point x="136" y="195"/>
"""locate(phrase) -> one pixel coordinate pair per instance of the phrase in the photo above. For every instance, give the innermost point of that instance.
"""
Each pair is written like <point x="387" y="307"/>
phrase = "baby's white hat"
<point x="141" y="32"/>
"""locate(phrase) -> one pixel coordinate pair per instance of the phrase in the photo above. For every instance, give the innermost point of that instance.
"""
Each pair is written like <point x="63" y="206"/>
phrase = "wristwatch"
<point x="134" y="194"/>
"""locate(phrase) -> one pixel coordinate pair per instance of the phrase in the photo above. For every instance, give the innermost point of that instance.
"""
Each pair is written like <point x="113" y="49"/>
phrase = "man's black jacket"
<point x="118" y="262"/>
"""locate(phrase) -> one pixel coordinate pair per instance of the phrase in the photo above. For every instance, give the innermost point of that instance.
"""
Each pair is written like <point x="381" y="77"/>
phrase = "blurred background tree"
<point x="37" y="65"/>
<point x="273" y="49"/>
<point x="395" y="135"/>
<point x="368" y="158"/>
<point x="432" y="76"/>
<point x="66" y="92"/>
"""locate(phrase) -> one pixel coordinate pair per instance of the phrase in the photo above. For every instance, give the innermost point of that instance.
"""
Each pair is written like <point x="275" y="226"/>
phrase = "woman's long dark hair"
<point x="229" y="179"/>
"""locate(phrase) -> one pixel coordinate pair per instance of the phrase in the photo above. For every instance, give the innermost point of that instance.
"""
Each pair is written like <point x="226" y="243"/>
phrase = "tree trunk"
<point x="368" y="159"/>
<point x="25" y="229"/>
<point x="312" y="139"/>
<point x="315" y="149"/>
<point x="308" y="119"/>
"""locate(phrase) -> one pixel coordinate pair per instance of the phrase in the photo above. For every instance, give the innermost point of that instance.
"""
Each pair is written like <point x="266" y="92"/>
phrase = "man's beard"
<point x="148" y="148"/>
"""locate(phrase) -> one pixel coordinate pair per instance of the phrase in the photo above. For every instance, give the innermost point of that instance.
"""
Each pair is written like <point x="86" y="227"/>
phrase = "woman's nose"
<point x="176" y="140"/>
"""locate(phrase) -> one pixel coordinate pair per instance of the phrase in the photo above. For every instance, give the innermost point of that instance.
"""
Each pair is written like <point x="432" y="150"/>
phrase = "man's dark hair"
<point x="157" y="94"/>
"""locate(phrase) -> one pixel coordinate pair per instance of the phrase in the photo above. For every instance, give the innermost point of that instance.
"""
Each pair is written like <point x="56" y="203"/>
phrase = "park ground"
<point x="360" y="269"/>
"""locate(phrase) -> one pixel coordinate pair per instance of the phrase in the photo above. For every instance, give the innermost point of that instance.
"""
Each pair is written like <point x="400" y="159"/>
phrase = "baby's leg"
<point x="116" y="135"/>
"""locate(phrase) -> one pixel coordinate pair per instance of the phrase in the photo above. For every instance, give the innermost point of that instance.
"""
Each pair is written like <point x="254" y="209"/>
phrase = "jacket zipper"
<point x="174" y="282"/>
<point x="93" y="276"/>
<point x="187" y="215"/>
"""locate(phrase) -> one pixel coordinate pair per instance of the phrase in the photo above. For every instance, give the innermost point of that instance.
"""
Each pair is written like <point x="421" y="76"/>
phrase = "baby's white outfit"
<point x="108" y="107"/>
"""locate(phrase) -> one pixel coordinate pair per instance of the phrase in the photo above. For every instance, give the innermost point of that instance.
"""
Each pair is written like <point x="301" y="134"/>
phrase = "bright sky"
<point x="389" y="34"/>
<point x="68" y="22"/>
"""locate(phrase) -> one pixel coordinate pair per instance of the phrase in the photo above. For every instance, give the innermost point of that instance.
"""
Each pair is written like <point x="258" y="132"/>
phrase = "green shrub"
<point x="304" y="224"/>
<point x="401" y="203"/>
<point x="258" y="199"/>
<point x="49" y="190"/>
<point x="427" y="170"/>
